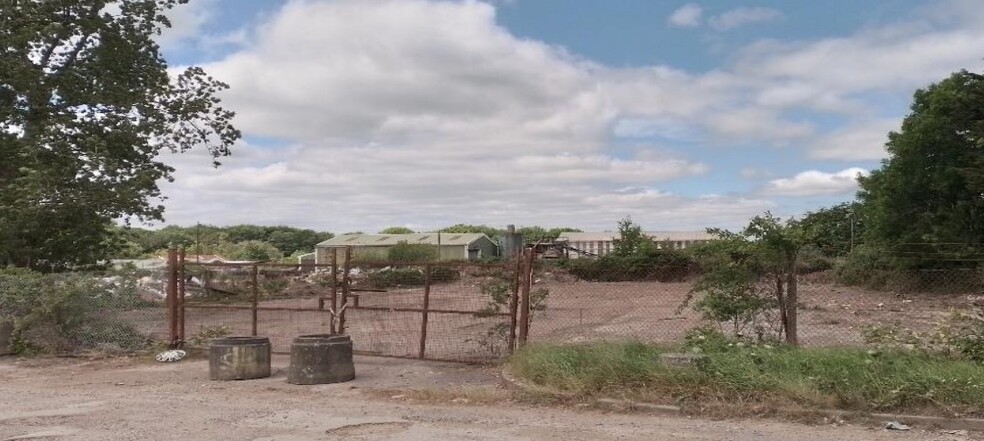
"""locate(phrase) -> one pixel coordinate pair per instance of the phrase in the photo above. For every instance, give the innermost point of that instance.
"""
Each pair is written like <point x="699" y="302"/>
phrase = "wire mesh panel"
<point x="434" y="310"/>
<point x="74" y="312"/>
<point x="661" y="307"/>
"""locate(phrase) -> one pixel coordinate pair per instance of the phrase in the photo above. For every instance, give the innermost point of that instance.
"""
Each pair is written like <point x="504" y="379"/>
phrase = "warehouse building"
<point x="451" y="246"/>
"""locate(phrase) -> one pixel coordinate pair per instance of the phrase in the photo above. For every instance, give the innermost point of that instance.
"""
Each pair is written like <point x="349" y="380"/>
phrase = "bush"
<point x="391" y="277"/>
<point x="58" y="313"/>
<point x="658" y="265"/>
<point x="959" y="335"/>
<point x="411" y="253"/>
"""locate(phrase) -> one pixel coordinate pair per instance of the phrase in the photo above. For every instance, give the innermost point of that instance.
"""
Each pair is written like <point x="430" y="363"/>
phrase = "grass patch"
<point x="757" y="376"/>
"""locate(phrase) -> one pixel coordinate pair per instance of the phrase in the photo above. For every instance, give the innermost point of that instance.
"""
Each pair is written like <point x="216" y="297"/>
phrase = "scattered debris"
<point x="171" y="356"/>
<point x="895" y="425"/>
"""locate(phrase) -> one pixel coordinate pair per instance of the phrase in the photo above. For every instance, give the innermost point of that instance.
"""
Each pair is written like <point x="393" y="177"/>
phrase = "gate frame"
<point x="518" y="308"/>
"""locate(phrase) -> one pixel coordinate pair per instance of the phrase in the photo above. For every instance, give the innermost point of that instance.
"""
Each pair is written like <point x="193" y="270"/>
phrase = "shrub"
<point x="411" y="253"/>
<point x="959" y="335"/>
<point x="659" y="265"/>
<point x="58" y="313"/>
<point x="389" y="277"/>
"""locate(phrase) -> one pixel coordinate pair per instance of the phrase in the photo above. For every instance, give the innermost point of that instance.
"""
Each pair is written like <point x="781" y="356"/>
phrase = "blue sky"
<point x="363" y="114"/>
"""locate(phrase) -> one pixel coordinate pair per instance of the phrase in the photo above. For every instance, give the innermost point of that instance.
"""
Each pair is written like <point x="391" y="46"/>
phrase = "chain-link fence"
<point x="436" y="310"/>
<point x="70" y="313"/>
<point x="660" y="305"/>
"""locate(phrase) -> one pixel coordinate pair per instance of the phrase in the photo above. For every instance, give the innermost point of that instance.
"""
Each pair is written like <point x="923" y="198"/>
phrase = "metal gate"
<point x="449" y="311"/>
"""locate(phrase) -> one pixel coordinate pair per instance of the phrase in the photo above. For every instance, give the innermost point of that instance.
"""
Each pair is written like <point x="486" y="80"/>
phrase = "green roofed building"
<point x="453" y="246"/>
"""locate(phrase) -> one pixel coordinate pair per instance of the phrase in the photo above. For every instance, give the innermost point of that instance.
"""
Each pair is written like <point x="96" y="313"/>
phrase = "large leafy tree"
<point x="87" y="107"/>
<point x="834" y="231"/>
<point x="929" y="193"/>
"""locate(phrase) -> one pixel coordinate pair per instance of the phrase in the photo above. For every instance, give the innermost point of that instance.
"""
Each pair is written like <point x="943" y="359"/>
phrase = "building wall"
<point x="603" y="247"/>
<point x="447" y="252"/>
<point x="485" y="247"/>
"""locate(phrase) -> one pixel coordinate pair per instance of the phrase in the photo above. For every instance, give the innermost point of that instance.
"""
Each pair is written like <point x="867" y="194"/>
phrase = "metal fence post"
<point x="172" y="295"/>
<point x="256" y="298"/>
<point x="345" y="289"/>
<point x="334" y="289"/>
<point x="524" y="301"/>
<point x="423" y="318"/>
<point x="181" y="296"/>
<point x="514" y="301"/>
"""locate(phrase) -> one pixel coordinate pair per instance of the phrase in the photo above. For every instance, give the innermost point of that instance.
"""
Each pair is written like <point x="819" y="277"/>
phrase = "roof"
<point x="144" y="264"/>
<point x="383" y="240"/>
<point x="656" y="235"/>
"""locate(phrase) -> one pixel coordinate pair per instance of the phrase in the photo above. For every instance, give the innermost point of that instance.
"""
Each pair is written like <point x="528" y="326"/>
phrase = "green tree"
<point x="256" y="250"/>
<point x="747" y="271"/>
<point x="396" y="230"/>
<point x="927" y="194"/>
<point x="834" y="231"/>
<point x="631" y="240"/>
<point x="87" y="107"/>
<point x="491" y="232"/>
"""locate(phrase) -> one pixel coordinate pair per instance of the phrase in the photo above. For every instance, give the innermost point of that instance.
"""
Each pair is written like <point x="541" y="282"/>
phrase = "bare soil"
<point x="577" y="311"/>
<point x="136" y="399"/>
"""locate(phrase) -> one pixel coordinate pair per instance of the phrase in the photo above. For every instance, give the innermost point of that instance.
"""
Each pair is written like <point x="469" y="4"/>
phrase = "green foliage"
<point x="589" y="369"/>
<point x="959" y="335"/>
<point x="829" y="230"/>
<point x="411" y="253"/>
<point x="91" y="109"/>
<point x="491" y="232"/>
<point x="206" y="334"/>
<point x="635" y="257"/>
<point x="404" y="277"/>
<point x="224" y="241"/>
<point x="750" y="273"/>
<point x="663" y="265"/>
<point x="396" y="230"/>
<point x="536" y="233"/>
<point x="928" y="191"/>
<point x="253" y="250"/>
<point x="739" y="374"/>
<point x="57" y="313"/>
<point x="631" y="240"/>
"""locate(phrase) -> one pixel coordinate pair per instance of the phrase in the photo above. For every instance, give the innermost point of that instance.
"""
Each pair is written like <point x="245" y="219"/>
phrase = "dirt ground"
<point x="576" y="311"/>
<point x="136" y="399"/>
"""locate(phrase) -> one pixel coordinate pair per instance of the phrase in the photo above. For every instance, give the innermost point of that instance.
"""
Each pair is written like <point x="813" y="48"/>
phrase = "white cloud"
<point x="744" y="16"/>
<point x="686" y="16"/>
<point x="187" y="23"/>
<point x="816" y="183"/>
<point x="856" y="142"/>
<point x="754" y="173"/>
<point x="430" y="113"/>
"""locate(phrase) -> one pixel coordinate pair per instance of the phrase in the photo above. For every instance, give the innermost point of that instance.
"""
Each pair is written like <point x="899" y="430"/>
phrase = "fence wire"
<point x="663" y="306"/>
<point x="440" y="310"/>
<point x="71" y="313"/>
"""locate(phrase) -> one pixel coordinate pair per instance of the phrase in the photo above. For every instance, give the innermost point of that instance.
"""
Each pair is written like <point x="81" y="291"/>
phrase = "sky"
<point x="364" y="114"/>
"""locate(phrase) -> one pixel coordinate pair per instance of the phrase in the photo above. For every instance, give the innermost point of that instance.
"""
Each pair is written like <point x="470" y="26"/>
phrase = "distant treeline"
<point x="255" y="242"/>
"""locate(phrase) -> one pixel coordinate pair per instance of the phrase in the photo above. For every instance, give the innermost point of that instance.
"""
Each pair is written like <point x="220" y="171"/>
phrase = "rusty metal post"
<point x="514" y="301"/>
<point x="334" y="289"/>
<point x="423" y="317"/>
<point x="524" y="301"/>
<point x="345" y="289"/>
<point x="256" y="298"/>
<point x="172" y="295"/>
<point x="181" y="296"/>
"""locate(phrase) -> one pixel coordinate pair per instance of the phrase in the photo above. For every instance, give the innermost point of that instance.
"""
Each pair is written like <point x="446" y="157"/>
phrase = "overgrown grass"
<point x="849" y="379"/>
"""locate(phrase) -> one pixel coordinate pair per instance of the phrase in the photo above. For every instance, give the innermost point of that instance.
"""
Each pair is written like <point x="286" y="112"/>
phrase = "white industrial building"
<point x="600" y="244"/>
